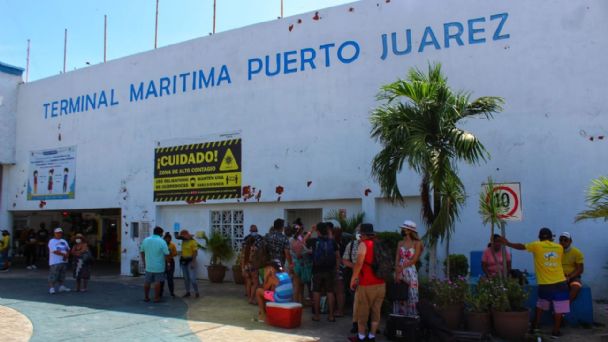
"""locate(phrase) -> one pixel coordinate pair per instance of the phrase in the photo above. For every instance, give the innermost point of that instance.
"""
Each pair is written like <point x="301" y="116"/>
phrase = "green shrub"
<point x="459" y="266"/>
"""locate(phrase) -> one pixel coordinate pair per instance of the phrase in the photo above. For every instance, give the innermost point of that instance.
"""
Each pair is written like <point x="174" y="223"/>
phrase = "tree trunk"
<point x="504" y="252"/>
<point x="447" y="256"/>
<point x="433" y="261"/>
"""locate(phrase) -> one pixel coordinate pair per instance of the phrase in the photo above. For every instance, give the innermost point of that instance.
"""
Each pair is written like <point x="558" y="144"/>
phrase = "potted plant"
<point x="237" y="269"/>
<point x="220" y="248"/>
<point x="509" y="311"/>
<point x="448" y="296"/>
<point x="477" y="304"/>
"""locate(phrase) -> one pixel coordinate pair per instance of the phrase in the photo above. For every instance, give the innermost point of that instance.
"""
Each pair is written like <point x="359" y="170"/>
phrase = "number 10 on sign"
<point x="507" y="197"/>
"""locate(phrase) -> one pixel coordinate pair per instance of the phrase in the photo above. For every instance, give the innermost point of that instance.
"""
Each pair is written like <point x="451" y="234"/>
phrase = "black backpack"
<point x="384" y="261"/>
<point x="324" y="255"/>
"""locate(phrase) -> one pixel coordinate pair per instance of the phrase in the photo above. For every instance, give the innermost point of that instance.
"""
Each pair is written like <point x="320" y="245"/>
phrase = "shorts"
<point x="323" y="281"/>
<point x="154" y="277"/>
<point x="269" y="296"/>
<point x="368" y="302"/>
<point x="57" y="272"/>
<point x="558" y="294"/>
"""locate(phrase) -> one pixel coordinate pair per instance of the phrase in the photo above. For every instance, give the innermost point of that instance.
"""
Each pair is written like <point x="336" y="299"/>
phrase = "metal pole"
<point x="214" y="11"/>
<point x="27" y="62"/>
<point x="156" y="27"/>
<point x="65" y="49"/>
<point x="105" y="37"/>
<point x="281" y="8"/>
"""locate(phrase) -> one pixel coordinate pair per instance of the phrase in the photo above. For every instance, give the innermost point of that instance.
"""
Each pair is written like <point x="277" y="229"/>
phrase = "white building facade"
<point x="294" y="96"/>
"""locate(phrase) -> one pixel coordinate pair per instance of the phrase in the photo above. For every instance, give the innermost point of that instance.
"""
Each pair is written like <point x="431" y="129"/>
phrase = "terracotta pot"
<point x="480" y="322"/>
<point x="216" y="273"/>
<point x="237" y="274"/>
<point x="511" y="325"/>
<point x="452" y="314"/>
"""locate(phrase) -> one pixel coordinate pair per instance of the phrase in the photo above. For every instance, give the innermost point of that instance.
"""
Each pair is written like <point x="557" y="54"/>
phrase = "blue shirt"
<point x="283" y="293"/>
<point x="154" y="249"/>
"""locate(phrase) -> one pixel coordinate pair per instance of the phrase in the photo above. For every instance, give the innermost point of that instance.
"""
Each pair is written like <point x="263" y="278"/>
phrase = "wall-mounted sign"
<point x="508" y="198"/>
<point x="52" y="174"/>
<point x="198" y="172"/>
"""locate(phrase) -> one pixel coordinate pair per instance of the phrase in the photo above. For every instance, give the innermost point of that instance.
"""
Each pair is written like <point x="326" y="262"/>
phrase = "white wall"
<point x="313" y="125"/>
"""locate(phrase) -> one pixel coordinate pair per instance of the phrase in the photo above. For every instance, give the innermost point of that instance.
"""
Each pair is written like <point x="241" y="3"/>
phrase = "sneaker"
<point x="52" y="290"/>
<point x="34" y="267"/>
<point x="29" y="268"/>
<point x="63" y="289"/>
<point x="556" y="335"/>
<point x="186" y="295"/>
<point x="4" y="270"/>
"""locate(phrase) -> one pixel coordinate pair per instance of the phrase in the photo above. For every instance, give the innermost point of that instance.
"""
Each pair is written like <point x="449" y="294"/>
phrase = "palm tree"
<point x="416" y="125"/>
<point x="597" y="201"/>
<point x="348" y="224"/>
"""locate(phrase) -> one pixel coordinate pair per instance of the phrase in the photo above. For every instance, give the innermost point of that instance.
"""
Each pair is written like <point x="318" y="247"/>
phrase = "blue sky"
<point x="130" y="26"/>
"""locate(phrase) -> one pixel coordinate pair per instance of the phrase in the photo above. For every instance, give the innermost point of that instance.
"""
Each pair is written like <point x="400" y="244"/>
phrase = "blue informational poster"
<point x="52" y="174"/>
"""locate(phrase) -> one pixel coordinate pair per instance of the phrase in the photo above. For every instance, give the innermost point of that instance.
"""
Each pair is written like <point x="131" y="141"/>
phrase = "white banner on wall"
<point x="52" y="174"/>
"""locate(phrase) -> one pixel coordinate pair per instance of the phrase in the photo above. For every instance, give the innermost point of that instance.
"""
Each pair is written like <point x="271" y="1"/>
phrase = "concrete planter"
<point x="216" y="273"/>
<point x="480" y="322"/>
<point x="511" y="325"/>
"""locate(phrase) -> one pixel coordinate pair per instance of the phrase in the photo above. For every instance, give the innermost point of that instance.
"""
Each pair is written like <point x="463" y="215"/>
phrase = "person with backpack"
<point x="368" y="283"/>
<point x="325" y="262"/>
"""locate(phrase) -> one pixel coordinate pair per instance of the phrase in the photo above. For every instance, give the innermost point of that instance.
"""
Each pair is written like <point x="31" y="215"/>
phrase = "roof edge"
<point x="11" y="70"/>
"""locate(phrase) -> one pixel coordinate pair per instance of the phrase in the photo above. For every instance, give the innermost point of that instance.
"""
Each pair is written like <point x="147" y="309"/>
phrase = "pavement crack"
<point x="81" y="314"/>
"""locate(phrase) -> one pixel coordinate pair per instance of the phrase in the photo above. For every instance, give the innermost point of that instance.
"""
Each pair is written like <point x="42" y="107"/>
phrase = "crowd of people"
<point x="328" y="268"/>
<point x="323" y="267"/>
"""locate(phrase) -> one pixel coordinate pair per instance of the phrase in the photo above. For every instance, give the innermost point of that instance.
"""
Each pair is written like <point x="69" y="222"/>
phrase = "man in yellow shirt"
<point x="552" y="286"/>
<point x="572" y="263"/>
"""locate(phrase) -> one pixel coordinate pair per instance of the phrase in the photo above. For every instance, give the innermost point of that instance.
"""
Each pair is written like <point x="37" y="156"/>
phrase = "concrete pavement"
<point x="113" y="310"/>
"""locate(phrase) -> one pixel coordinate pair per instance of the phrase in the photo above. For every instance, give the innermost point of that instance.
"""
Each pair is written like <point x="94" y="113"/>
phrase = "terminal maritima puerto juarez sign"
<point x="198" y="172"/>
<point x="508" y="198"/>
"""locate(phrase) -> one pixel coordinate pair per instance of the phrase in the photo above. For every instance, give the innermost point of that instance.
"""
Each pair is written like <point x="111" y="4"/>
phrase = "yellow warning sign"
<point x="229" y="163"/>
<point x="210" y="170"/>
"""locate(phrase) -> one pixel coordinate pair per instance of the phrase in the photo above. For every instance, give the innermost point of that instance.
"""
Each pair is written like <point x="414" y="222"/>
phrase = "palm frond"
<point x="489" y="208"/>
<point x="597" y="201"/>
<point x="348" y="224"/>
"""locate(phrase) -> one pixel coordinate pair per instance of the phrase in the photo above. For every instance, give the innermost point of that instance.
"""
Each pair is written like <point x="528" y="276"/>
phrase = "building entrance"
<point x="100" y="227"/>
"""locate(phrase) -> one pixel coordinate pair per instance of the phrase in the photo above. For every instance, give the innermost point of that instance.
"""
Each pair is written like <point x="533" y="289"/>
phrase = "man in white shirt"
<point x="58" y="261"/>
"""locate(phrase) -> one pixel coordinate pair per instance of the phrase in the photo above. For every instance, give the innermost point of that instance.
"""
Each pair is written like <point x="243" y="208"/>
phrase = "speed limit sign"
<point x="507" y="197"/>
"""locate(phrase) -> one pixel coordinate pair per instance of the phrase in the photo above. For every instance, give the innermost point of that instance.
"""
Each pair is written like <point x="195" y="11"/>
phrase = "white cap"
<point x="566" y="234"/>
<point x="58" y="230"/>
<point x="409" y="224"/>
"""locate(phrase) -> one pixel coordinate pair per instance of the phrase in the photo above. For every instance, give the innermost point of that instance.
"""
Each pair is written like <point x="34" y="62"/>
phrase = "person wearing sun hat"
<point x="572" y="263"/>
<point x="408" y="253"/>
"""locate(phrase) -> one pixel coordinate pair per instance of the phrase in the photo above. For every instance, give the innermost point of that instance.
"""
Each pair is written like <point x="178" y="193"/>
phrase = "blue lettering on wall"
<point x="428" y="33"/>
<point x="503" y="19"/>
<point x="81" y="103"/>
<point x="402" y="43"/>
<point x="475" y="28"/>
<point x="473" y="31"/>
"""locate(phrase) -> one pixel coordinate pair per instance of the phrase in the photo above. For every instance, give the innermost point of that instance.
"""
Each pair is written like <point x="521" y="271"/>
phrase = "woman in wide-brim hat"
<point x="408" y="253"/>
